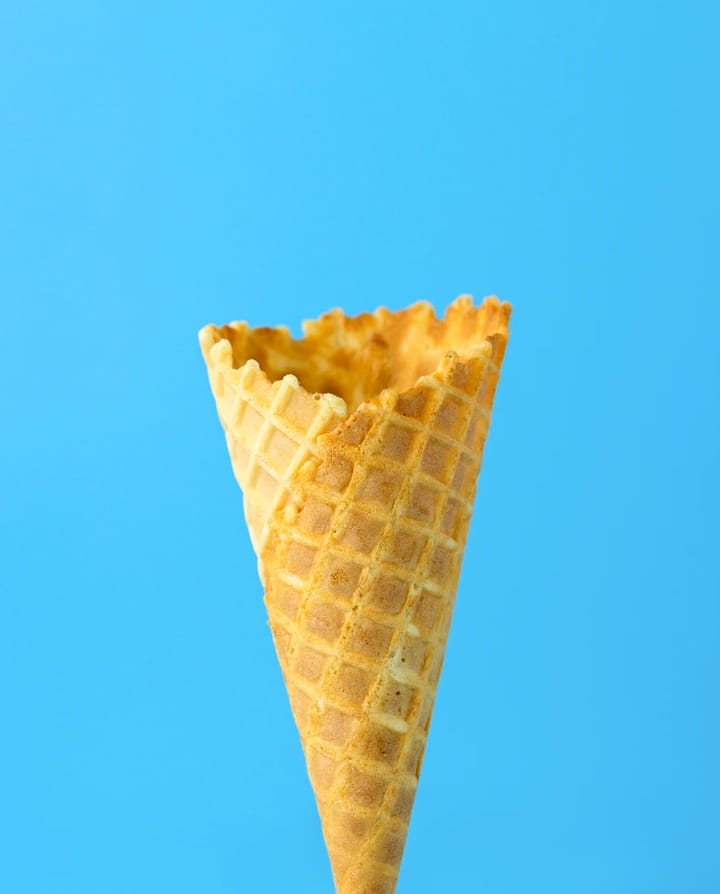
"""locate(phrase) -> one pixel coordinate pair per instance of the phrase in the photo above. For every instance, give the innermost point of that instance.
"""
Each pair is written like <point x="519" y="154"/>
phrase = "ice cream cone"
<point x="358" y="450"/>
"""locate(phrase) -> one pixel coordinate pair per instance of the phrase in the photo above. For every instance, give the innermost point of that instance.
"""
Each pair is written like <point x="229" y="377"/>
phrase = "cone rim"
<point x="218" y="353"/>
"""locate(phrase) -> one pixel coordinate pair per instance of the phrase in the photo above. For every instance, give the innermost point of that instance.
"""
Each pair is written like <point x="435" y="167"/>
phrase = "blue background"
<point x="165" y="165"/>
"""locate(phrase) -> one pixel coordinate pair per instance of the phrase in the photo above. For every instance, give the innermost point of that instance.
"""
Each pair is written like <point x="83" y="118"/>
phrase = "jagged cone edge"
<point x="358" y="508"/>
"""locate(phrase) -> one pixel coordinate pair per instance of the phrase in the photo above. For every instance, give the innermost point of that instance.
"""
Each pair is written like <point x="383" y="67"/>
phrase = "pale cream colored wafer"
<point x="358" y="450"/>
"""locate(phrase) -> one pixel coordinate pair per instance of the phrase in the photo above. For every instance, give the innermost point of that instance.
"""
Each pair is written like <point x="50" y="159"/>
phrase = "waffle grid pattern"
<point x="268" y="449"/>
<point x="364" y="718"/>
<point x="359" y="521"/>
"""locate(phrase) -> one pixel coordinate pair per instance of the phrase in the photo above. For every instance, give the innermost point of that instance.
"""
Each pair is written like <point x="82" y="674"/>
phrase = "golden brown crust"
<point x="359" y="509"/>
<point x="357" y="357"/>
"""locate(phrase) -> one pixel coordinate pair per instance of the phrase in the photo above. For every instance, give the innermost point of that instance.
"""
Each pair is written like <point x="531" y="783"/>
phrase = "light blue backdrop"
<point x="164" y="165"/>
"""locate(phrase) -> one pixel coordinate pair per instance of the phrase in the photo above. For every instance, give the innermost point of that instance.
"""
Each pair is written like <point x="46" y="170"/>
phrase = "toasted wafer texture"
<point x="358" y="503"/>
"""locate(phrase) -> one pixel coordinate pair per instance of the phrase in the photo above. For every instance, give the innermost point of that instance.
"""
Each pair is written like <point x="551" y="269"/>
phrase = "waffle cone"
<point x="358" y="450"/>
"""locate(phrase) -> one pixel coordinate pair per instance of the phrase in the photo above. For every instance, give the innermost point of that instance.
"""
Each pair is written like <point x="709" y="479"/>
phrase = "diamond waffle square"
<point x="381" y="486"/>
<point x="386" y="594"/>
<point x="340" y="577"/>
<point x="287" y="599"/>
<point x="397" y="442"/>
<point x="352" y="683"/>
<point x="424" y="503"/>
<point x="315" y="516"/>
<point x="350" y="828"/>
<point x="324" y="620"/>
<point x="452" y="416"/>
<point x="364" y="788"/>
<point x="396" y="699"/>
<point x="382" y="744"/>
<point x="465" y="474"/>
<point x="438" y="460"/>
<point x="441" y="565"/>
<point x="335" y="472"/>
<point x="355" y="430"/>
<point x="335" y="726"/>
<point x="405" y="547"/>
<point x="281" y="447"/>
<point x="388" y="846"/>
<point x="426" y="610"/>
<point x="411" y="652"/>
<point x="403" y="802"/>
<point x="413" y="404"/>
<point x="477" y="431"/>
<point x="454" y="518"/>
<point x="300" y="410"/>
<point x="370" y="639"/>
<point x="309" y="663"/>
<point x="299" y="559"/>
<point x="360" y="532"/>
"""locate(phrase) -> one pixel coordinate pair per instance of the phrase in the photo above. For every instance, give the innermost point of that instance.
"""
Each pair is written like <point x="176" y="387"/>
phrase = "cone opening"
<point x="356" y="358"/>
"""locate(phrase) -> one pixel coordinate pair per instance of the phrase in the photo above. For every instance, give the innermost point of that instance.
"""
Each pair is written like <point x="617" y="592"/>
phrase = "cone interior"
<point x="356" y="358"/>
<point x="358" y="450"/>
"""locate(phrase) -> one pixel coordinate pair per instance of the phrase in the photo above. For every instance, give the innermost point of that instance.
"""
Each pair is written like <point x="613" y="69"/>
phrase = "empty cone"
<point x="358" y="450"/>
